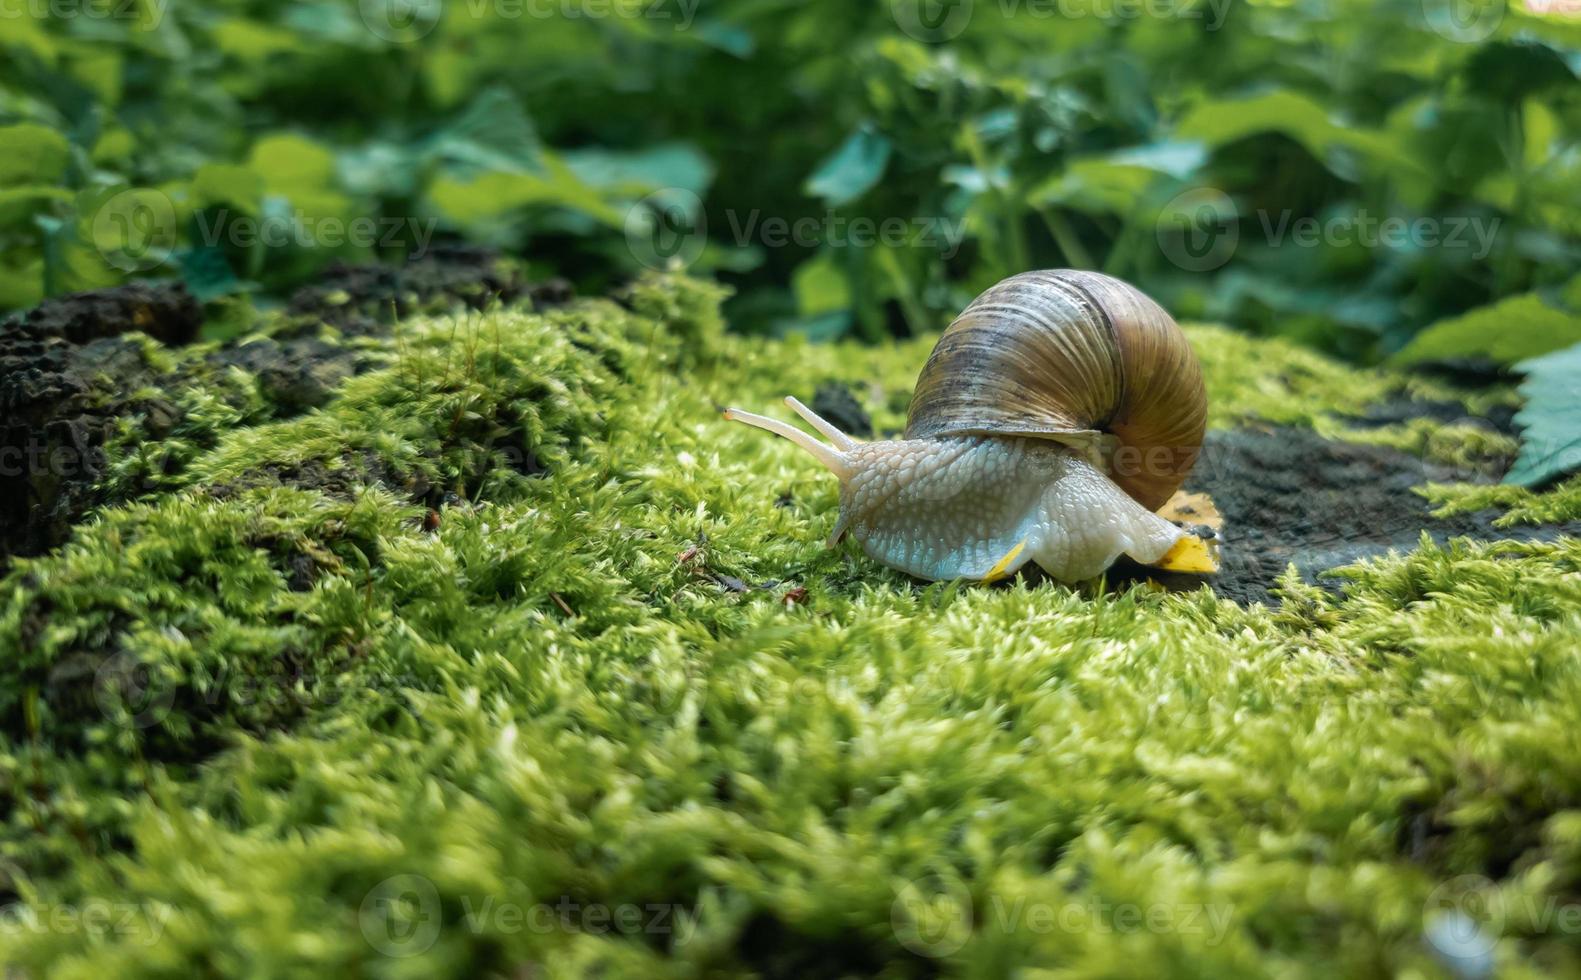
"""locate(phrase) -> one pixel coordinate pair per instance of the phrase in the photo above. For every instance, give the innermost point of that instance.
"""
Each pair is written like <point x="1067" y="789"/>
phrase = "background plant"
<point x="139" y="133"/>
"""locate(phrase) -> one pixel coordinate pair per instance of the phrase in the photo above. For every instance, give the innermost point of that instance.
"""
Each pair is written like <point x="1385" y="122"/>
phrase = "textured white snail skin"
<point x="956" y="507"/>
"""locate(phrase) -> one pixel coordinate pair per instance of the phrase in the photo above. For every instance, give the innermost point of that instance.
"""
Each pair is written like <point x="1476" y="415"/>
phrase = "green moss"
<point x="1279" y="381"/>
<point x="466" y="404"/>
<point x="1557" y="505"/>
<point x="1467" y="449"/>
<point x="537" y="726"/>
<point x="204" y="401"/>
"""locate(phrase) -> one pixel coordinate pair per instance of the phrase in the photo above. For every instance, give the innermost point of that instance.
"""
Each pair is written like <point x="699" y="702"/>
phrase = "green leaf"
<point x="1304" y="120"/>
<point x="22" y="284"/>
<point x="83" y="266"/>
<point x="289" y="162"/>
<point x="667" y="165"/>
<point x="250" y="41"/>
<point x="19" y="204"/>
<point x="302" y="173"/>
<point x="33" y="154"/>
<point x="820" y="286"/>
<point x="99" y="70"/>
<point x="207" y="273"/>
<point x="853" y="169"/>
<point x="29" y="34"/>
<point x="1507" y="331"/>
<point x="379" y="169"/>
<point x="1096" y="186"/>
<point x="1219" y="122"/>
<point x="1177" y="158"/>
<point x="495" y="194"/>
<point x="113" y="146"/>
<point x="1115" y="182"/>
<point x="728" y="38"/>
<point x="1570" y="294"/>
<point x="1551" y="420"/>
<point x="494" y="133"/>
<point x="224" y="184"/>
<point x="820" y="328"/>
<point x="335" y="23"/>
<point x="133" y="228"/>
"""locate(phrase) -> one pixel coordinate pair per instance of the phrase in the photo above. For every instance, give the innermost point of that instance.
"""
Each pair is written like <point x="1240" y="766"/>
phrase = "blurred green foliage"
<point x="1342" y="172"/>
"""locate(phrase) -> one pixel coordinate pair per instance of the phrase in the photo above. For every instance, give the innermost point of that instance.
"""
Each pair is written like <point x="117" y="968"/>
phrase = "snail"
<point x="1054" y="417"/>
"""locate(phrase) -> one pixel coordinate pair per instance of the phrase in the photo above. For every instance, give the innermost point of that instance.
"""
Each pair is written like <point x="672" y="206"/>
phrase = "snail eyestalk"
<point x="823" y="425"/>
<point x="832" y="459"/>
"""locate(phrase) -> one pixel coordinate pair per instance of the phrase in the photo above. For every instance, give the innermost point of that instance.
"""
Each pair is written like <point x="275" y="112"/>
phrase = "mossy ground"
<point x="516" y="660"/>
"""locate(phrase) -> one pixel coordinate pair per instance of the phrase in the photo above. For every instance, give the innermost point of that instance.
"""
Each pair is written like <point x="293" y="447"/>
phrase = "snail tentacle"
<point x="823" y="425"/>
<point x="832" y="459"/>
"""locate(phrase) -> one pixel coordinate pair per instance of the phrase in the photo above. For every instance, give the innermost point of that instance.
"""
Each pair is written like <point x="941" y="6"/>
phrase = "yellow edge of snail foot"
<point x="1190" y="554"/>
<point x="1192" y="508"/>
<point x="999" y="570"/>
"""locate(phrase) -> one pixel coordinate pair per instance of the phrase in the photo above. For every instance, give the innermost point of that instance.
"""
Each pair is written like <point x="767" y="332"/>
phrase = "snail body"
<point x="1057" y="413"/>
